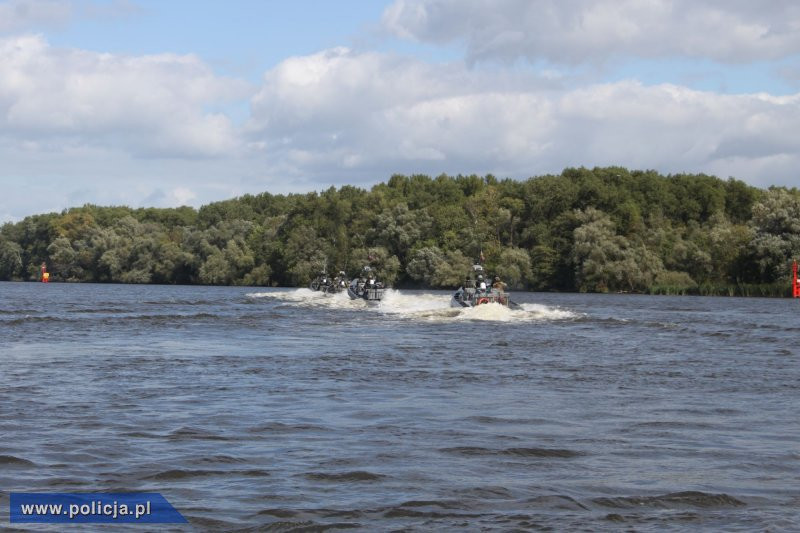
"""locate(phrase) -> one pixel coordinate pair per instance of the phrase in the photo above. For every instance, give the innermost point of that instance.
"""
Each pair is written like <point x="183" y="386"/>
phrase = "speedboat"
<point x="366" y="288"/>
<point x="475" y="292"/>
<point x="328" y="285"/>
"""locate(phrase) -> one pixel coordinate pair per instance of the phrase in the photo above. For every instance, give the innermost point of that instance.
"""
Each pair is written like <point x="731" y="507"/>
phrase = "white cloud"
<point x="367" y="115"/>
<point x="17" y="15"/>
<point x="371" y="112"/>
<point x="147" y="106"/>
<point x="25" y="15"/>
<point x="584" y="31"/>
<point x="182" y="196"/>
<point x="78" y="126"/>
<point x="157" y="197"/>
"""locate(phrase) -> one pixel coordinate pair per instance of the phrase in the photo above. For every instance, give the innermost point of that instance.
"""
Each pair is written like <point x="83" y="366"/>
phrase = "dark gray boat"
<point x="328" y="285"/>
<point x="366" y="288"/>
<point x="475" y="291"/>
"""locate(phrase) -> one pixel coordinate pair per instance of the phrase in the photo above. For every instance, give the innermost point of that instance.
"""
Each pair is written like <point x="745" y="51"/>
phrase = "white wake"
<point x="421" y="306"/>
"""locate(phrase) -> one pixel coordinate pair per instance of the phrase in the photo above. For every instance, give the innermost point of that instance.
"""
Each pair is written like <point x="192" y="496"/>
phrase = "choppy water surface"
<point x="280" y="409"/>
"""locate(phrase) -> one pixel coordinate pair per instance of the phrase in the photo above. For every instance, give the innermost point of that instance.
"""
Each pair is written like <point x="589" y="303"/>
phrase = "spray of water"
<point x="421" y="306"/>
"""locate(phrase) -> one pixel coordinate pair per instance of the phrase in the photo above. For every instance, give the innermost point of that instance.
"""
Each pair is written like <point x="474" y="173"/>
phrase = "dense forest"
<point x="597" y="230"/>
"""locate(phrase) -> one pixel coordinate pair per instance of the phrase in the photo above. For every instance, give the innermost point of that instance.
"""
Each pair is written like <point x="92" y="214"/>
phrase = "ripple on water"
<point x="672" y="500"/>
<point x="290" y="411"/>
<point x="344" y="477"/>
<point x="177" y="474"/>
<point x="514" y="452"/>
<point x="11" y="461"/>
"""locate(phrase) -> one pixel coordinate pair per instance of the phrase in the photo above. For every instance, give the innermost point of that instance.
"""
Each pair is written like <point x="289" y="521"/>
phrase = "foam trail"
<point x="308" y="297"/>
<point x="436" y="307"/>
<point x="543" y="312"/>
<point x="290" y="295"/>
<point x="421" y="306"/>
<point x="493" y="312"/>
<point x="395" y="302"/>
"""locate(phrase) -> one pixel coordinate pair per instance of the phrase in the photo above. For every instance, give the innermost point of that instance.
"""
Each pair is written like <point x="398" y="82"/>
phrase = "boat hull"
<point x="456" y="302"/>
<point x="461" y="299"/>
<point x="328" y="289"/>
<point x="371" y="296"/>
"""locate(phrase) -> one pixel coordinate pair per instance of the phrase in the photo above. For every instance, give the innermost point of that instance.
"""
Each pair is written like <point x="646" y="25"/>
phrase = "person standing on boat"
<point x="369" y="284"/>
<point x="339" y="282"/>
<point x="498" y="284"/>
<point x="481" y="283"/>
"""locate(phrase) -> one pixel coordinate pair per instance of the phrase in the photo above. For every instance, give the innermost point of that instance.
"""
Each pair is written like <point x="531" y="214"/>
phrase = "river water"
<point x="283" y="410"/>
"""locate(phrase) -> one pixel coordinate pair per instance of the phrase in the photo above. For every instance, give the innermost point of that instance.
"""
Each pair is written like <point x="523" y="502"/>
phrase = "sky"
<point x="152" y="103"/>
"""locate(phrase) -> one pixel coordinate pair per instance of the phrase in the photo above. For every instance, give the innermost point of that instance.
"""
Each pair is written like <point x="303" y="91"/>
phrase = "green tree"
<point x="544" y="267"/>
<point x="216" y="270"/>
<point x="587" y="229"/>
<point x="385" y="265"/>
<point x="607" y="261"/>
<point x="63" y="259"/>
<point x="776" y="225"/>
<point x="306" y="255"/>
<point x="438" y="269"/>
<point x="514" y="267"/>
<point x="10" y="259"/>
<point x="398" y="229"/>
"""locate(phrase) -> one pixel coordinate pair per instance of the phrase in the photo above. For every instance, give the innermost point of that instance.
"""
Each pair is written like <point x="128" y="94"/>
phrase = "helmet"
<point x="497" y="278"/>
<point x="480" y="277"/>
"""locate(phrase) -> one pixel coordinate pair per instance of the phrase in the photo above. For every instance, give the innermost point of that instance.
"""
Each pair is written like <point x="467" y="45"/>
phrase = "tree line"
<point x="595" y="230"/>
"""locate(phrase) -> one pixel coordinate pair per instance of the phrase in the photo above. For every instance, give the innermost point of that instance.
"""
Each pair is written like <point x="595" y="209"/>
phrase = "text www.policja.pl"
<point x="94" y="508"/>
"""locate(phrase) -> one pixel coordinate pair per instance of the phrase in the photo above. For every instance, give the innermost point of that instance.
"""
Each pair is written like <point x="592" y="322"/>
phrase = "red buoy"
<point x="795" y="286"/>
